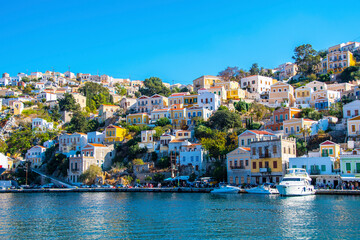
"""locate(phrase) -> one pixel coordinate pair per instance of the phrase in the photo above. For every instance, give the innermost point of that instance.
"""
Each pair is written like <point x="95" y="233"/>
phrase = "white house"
<point x="96" y="137"/>
<point x="256" y="83"/>
<point x="69" y="144"/>
<point x="351" y="109"/>
<point x="35" y="155"/>
<point x="208" y="99"/>
<point x="193" y="155"/>
<point x="320" y="169"/>
<point x="41" y="125"/>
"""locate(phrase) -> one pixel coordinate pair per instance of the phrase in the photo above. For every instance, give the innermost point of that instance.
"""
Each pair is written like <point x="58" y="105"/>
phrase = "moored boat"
<point x="262" y="189"/>
<point x="296" y="183"/>
<point x="226" y="189"/>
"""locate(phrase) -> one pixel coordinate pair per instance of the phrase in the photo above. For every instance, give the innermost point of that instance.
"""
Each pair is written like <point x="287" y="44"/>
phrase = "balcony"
<point x="237" y="167"/>
<point x="265" y="170"/>
<point x="265" y="155"/>
<point x="315" y="172"/>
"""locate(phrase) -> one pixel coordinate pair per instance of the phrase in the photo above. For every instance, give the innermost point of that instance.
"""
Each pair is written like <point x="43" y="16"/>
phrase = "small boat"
<point x="226" y="189"/>
<point x="263" y="189"/>
<point x="296" y="183"/>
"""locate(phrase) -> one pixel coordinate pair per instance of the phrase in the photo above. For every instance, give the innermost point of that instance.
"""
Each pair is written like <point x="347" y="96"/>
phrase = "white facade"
<point x="208" y="100"/>
<point x="35" y="155"/>
<point x="256" y="83"/>
<point x="96" y="137"/>
<point x="351" y="109"/>
<point x="193" y="155"/>
<point x="69" y="144"/>
<point x="42" y="125"/>
<point x="47" y="96"/>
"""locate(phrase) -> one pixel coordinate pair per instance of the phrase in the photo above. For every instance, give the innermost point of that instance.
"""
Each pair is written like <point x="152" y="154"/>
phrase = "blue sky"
<point x="174" y="40"/>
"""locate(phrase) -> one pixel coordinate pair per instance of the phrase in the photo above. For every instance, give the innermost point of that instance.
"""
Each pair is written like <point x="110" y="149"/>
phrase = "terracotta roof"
<point x="246" y="148"/>
<point x="328" y="143"/>
<point x="177" y="109"/>
<point x="114" y="126"/>
<point x="111" y="105"/>
<point x="161" y="110"/>
<point x="309" y="120"/>
<point x="177" y="141"/>
<point x="177" y="94"/>
<point x="355" y="118"/>
<point x="261" y="132"/>
<point x="80" y="133"/>
<point x="40" y="146"/>
<point x="97" y="145"/>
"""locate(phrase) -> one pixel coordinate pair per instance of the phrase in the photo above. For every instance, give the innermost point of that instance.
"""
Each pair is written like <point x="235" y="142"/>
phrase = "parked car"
<point x="119" y="186"/>
<point x="95" y="186"/>
<point x="107" y="186"/>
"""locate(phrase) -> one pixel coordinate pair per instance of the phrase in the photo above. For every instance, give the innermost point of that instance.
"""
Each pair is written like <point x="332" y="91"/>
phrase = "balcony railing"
<point x="265" y="155"/>
<point x="265" y="170"/>
<point x="314" y="171"/>
<point x="237" y="167"/>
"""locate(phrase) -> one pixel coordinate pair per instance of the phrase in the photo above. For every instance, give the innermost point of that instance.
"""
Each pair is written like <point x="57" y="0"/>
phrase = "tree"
<point x="96" y="95"/>
<point x="78" y="123"/>
<point x="148" y="179"/>
<point x="159" y="177"/>
<point x="311" y="113"/>
<point x="184" y="89"/>
<point x="158" y="132"/>
<point x="120" y="90"/>
<point x="154" y="85"/>
<point x="68" y="103"/>
<point x="306" y="58"/>
<point x="93" y="125"/>
<point x="324" y="77"/>
<point x="242" y="106"/>
<point x="137" y="161"/>
<point x="202" y="131"/>
<point x="162" y="122"/>
<point x="254" y="70"/>
<point x="350" y="74"/>
<point x="90" y="174"/>
<point x="163" y="163"/>
<point x="216" y="146"/>
<point x="224" y="119"/>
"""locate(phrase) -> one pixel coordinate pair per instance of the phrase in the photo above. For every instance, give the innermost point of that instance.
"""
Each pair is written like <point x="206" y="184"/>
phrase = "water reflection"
<point x="174" y="215"/>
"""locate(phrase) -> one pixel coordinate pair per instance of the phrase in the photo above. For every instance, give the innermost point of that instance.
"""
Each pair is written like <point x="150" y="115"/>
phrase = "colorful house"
<point x="353" y="127"/>
<point x="239" y="166"/>
<point x="114" y="134"/>
<point x="137" y="119"/>
<point x="281" y="93"/>
<point x="330" y="149"/>
<point x="303" y="96"/>
<point x="249" y="136"/>
<point x="190" y="100"/>
<point x="295" y="126"/>
<point x="280" y="115"/>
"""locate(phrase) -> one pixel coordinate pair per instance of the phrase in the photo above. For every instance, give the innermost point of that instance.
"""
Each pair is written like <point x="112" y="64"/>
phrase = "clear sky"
<point x="174" y="40"/>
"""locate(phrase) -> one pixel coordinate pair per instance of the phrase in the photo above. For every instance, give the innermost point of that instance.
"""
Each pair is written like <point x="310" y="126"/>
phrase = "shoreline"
<point x="159" y="190"/>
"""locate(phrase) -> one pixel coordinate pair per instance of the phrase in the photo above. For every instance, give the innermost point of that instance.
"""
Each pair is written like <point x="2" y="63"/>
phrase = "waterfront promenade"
<point x="159" y="190"/>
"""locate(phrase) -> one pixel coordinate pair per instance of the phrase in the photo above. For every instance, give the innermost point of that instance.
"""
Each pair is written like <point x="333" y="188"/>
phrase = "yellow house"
<point x="17" y="107"/>
<point x="206" y="81"/>
<point x="219" y="90"/>
<point x="138" y="119"/>
<point x="114" y="134"/>
<point x="339" y="58"/>
<point x="330" y="149"/>
<point x="235" y="94"/>
<point x="295" y="125"/>
<point x="281" y="93"/>
<point x="190" y="100"/>
<point x="177" y="116"/>
<point x="353" y="126"/>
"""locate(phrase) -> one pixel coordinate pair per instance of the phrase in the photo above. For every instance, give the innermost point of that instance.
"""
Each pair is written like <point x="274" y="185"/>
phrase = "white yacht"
<point x="263" y="189"/>
<point x="296" y="182"/>
<point x="226" y="189"/>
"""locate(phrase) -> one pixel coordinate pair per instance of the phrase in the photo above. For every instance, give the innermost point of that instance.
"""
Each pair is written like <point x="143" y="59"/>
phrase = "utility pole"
<point x="27" y="165"/>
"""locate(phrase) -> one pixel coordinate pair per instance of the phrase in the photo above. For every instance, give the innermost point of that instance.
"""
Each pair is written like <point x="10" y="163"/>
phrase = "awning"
<point x="350" y="179"/>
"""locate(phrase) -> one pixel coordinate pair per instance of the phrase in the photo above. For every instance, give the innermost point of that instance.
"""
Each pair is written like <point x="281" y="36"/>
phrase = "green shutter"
<point x="348" y="167"/>
<point x="323" y="168"/>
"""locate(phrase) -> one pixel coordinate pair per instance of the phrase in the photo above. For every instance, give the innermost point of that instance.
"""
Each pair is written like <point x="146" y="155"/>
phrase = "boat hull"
<point x="295" y="190"/>
<point x="262" y="191"/>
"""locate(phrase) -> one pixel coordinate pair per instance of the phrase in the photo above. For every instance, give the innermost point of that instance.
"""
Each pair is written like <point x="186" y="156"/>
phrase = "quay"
<point x="158" y="190"/>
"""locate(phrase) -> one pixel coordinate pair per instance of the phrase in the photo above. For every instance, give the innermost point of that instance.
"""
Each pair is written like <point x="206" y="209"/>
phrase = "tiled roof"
<point x="261" y="132"/>
<point x="97" y="145"/>
<point x="355" y="118"/>
<point x="328" y="143"/>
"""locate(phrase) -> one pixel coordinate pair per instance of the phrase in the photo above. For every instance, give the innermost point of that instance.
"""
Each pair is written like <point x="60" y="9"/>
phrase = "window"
<point x="242" y="142"/>
<point x="330" y="151"/>
<point x="254" y="151"/>
<point x="348" y="167"/>
<point x="260" y="165"/>
<point x="353" y="128"/>
<point x="249" y="141"/>
<point x="246" y="162"/>
<point x="254" y="165"/>
<point x="356" y="112"/>
<point x="323" y="168"/>
<point x="274" y="149"/>
<point x="275" y="164"/>
<point x="230" y="163"/>
<point x="293" y="166"/>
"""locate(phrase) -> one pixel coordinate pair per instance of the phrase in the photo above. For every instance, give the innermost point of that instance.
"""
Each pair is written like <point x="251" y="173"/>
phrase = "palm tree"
<point x="305" y="132"/>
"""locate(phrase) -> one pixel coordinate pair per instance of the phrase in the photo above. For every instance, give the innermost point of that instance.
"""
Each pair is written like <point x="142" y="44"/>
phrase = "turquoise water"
<point x="177" y="216"/>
